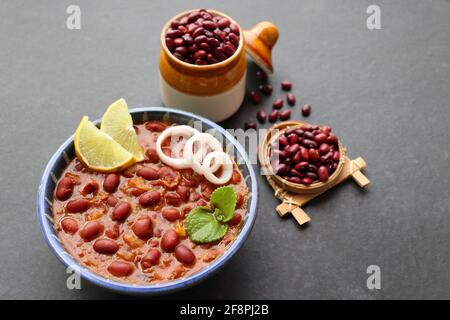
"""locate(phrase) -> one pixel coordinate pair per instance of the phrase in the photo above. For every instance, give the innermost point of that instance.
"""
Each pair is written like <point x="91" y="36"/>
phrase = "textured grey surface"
<point x="385" y="92"/>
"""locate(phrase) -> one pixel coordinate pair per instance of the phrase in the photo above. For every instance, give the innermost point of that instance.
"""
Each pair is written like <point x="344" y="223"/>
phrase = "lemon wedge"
<point x="117" y="123"/>
<point x="98" y="151"/>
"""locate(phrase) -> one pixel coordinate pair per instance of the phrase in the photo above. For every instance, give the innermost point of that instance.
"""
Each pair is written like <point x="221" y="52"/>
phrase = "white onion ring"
<point x="227" y="165"/>
<point x="183" y="131"/>
<point x="196" y="158"/>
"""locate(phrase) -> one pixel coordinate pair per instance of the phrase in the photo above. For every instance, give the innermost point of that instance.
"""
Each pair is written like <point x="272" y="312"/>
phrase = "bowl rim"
<point x="128" y="288"/>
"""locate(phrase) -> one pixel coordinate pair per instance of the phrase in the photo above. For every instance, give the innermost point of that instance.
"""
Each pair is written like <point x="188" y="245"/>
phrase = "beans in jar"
<point x="129" y="225"/>
<point x="305" y="154"/>
<point x="202" y="38"/>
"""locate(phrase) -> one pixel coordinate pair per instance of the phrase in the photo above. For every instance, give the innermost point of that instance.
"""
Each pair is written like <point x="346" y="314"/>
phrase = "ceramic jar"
<point x="214" y="91"/>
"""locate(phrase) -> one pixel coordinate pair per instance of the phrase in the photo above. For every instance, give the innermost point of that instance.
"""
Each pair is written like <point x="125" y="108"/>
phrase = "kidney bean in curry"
<point x="129" y="225"/>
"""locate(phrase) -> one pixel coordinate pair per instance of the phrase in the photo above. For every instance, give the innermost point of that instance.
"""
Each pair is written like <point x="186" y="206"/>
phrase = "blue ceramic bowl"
<point x="66" y="152"/>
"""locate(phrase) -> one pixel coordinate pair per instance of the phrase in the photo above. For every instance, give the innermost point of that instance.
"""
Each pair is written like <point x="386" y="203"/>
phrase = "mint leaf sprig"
<point x="205" y="226"/>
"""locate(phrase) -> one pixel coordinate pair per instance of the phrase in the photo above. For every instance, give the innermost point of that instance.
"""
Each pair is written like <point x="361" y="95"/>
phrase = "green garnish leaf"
<point x="202" y="226"/>
<point x="224" y="199"/>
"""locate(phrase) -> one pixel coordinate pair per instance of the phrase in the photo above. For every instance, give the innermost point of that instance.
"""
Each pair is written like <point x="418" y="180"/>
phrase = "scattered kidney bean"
<point x="120" y="269"/>
<point x="285" y="115"/>
<point x="148" y="173"/>
<point x="143" y="228"/>
<point x="121" y="211"/>
<point x="69" y="225"/>
<point x="151" y="258"/>
<point x="286" y="85"/>
<point x="111" y="182"/>
<point x="184" y="254"/>
<point x="91" y="230"/>
<point x="64" y="189"/>
<point x="273" y="115"/>
<point x="291" y="99"/>
<point x="169" y="240"/>
<point x="255" y="97"/>
<point x="278" y="104"/>
<point x="266" y="89"/>
<point x="105" y="246"/>
<point x="149" y="198"/>
<point x="262" y="76"/>
<point x="306" y="110"/>
<point x="77" y="206"/>
<point x="261" y="116"/>
<point x="250" y="125"/>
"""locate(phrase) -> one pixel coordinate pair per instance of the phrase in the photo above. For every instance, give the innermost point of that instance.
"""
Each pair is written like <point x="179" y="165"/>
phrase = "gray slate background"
<point x="386" y="93"/>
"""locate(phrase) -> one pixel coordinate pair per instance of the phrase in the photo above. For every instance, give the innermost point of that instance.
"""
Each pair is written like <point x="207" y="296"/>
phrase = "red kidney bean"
<point x="155" y="126"/>
<point x="285" y="115"/>
<point x="237" y="218"/>
<point x="91" y="230"/>
<point x="323" y="173"/>
<point x="69" y="225"/>
<point x="293" y="149"/>
<point x="306" y="181"/>
<point x="266" y="89"/>
<point x="336" y="156"/>
<point x="148" y="173"/>
<point x="184" y="254"/>
<point x="294" y="179"/>
<point x="312" y="176"/>
<point x="105" y="246"/>
<point x="149" y="198"/>
<point x="286" y="85"/>
<point x="273" y="115"/>
<point x="305" y="154"/>
<point x="321" y="138"/>
<point x="184" y="192"/>
<point x="326" y="130"/>
<point x="64" y="189"/>
<point x="301" y="165"/>
<point x="324" y="148"/>
<point x="332" y="139"/>
<point x="111" y="182"/>
<point x="293" y="138"/>
<point x="77" y="206"/>
<point x="223" y="23"/>
<point x="171" y="214"/>
<point x="121" y="269"/>
<point x="234" y="28"/>
<point x="169" y="240"/>
<point x="309" y="143"/>
<point x="173" y="199"/>
<point x="151" y="156"/>
<point x="111" y="201"/>
<point x="174" y="33"/>
<point x="143" y="228"/>
<point x="297" y="157"/>
<point x="261" y="116"/>
<point x="277" y="104"/>
<point x="261" y="75"/>
<point x="209" y="25"/>
<point x="283" y="140"/>
<point x="313" y="155"/>
<point x="178" y="42"/>
<point x="255" y="97"/>
<point x="306" y="110"/>
<point x="309" y="135"/>
<point x="151" y="258"/>
<point x="291" y="99"/>
<point x="229" y="48"/>
<point x="250" y="125"/>
<point x="113" y="232"/>
<point x="121" y="211"/>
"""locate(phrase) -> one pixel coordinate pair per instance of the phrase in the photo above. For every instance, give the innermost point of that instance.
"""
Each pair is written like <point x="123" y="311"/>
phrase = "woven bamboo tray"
<point x="294" y="196"/>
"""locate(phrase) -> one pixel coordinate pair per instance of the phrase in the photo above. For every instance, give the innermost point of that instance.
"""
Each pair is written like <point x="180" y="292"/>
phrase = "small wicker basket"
<point x="294" y="195"/>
